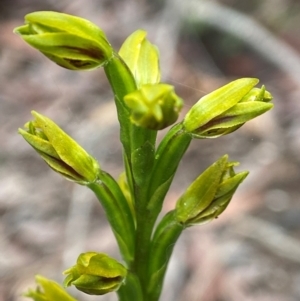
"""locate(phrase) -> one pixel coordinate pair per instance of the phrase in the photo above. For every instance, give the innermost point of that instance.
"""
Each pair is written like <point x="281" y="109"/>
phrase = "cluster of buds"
<point x="144" y="105"/>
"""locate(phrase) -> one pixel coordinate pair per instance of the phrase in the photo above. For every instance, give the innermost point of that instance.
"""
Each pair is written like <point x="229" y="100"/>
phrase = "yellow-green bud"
<point x="154" y="106"/>
<point x="226" y="109"/>
<point x="257" y="94"/>
<point x="208" y="196"/>
<point x="48" y="290"/>
<point x="95" y="274"/>
<point x="63" y="154"/>
<point x="71" y="42"/>
<point x="142" y="58"/>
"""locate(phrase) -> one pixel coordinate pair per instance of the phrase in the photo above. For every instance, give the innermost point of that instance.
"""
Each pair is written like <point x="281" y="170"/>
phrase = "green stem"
<point x="149" y="174"/>
<point x="152" y="194"/>
<point x="143" y="239"/>
<point x="118" y="213"/>
<point x="122" y="82"/>
<point x="131" y="289"/>
<point x="139" y="146"/>
<point x="163" y="242"/>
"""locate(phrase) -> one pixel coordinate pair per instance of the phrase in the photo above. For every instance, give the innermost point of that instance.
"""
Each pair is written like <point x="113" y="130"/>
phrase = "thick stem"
<point x="118" y="213"/>
<point x="122" y="82"/>
<point x="131" y="289"/>
<point x="161" y="248"/>
<point x="150" y="198"/>
<point x="143" y="240"/>
<point x="139" y="146"/>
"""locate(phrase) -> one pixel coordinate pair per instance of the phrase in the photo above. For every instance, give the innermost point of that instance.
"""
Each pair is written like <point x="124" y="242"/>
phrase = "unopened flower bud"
<point x="257" y="94"/>
<point x="48" y="290"/>
<point x="71" y="42"/>
<point x="95" y="274"/>
<point x="154" y="106"/>
<point x="142" y="58"/>
<point x="208" y="196"/>
<point x="226" y="109"/>
<point x="63" y="154"/>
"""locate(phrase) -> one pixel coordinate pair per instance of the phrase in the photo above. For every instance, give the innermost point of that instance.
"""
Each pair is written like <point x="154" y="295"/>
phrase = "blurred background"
<point x="252" y="252"/>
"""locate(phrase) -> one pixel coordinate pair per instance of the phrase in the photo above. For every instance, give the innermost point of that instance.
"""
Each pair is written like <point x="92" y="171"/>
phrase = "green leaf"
<point x="167" y="158"/>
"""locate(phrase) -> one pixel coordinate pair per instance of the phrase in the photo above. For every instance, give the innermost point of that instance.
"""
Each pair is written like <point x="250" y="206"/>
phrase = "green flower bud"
<point x="48" y="290"/>
<point x="154" y="106"/>
<point x="71" y="42"/>
<point x="208" y="196"/>
<point x="257" y="94"/>
<point x="226" y="109"/>
<point x="142" y="58"/>
<point x="95" y="274"/>
<point x="59" y="150"/>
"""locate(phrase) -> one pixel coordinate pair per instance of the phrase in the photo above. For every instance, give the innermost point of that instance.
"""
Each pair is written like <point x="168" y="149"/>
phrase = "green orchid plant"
<point x="133" y="203"/>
